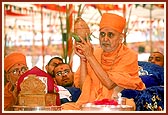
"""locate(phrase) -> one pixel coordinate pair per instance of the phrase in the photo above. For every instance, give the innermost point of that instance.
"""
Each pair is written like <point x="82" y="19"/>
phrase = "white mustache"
<point x="105" y="43"/>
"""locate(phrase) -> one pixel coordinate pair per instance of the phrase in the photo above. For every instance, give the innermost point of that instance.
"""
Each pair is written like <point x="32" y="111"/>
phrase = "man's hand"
<point x="83" y="48"/>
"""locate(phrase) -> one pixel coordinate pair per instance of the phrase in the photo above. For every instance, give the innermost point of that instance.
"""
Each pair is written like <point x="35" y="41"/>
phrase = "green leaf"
<point x="77" y="39"/>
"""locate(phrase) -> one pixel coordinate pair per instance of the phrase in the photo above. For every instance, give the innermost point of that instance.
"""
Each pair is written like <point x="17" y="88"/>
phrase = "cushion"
<point x="150" y="80"/>
<point x="150" y="99"/>
<point x="156" y="71"/>
<point x="129" y="93"/>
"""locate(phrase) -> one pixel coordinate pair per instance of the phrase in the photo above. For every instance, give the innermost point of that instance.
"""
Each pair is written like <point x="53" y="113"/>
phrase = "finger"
<point x="77" y="47"/>
<point x="77" y="52"/>
<point x="77" y="44"/>
<point x="89" y="43"/>
<point x="88" y="39"/>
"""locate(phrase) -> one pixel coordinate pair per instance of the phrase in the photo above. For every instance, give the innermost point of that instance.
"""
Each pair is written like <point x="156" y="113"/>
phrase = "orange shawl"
<point x="122" y="68"/>
<point x="8" y="97"/>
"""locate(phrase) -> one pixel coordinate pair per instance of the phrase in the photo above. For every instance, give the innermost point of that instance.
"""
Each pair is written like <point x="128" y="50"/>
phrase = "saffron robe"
<point x="121" y="67"/>
<point x="9" y="99"/>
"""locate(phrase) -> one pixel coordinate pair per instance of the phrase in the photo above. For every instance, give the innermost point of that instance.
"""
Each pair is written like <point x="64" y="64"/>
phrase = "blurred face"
<point x="52" y="65"/>
<point x="109" y="39"/>
<point x="15" y="72"/>
<point x="156" y="58"/>
<point x="63" y="75"/>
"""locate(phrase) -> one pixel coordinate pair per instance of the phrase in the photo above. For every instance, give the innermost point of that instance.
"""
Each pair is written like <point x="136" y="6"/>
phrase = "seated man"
<point x="14" y="66"/>
<point x="156" y="58"/>
<point x="65" y="77"/>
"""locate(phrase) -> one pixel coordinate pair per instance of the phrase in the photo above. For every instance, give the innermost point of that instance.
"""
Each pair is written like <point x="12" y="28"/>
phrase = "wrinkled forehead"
<point x="61" y="67"/>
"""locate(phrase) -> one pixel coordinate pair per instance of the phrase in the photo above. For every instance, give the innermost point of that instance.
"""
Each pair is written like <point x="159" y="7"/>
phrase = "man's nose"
<point x="20" y="72"/>
<point x="64" y="75"/>
<point x="106" y="38"/>
<point x="152" y="60"/>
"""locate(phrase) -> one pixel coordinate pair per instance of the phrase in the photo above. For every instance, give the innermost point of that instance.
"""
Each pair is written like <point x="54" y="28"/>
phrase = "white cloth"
<point x="64" y="93"/>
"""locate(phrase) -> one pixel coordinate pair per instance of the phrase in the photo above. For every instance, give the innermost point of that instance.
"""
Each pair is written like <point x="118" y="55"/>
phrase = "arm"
<point x="83" y="72"/>
<point x="83" y="67"/>
<point x="100" y="72"/>
<point x="85" y="50"/>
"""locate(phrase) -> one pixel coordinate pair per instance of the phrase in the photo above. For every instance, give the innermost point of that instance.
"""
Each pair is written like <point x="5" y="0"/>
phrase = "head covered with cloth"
<point x="111" y="28"/>
<point x="113" y="21"/>
<point x="14" y="58"/>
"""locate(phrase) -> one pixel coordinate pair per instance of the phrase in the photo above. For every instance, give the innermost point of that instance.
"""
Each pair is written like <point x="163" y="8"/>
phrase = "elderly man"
<point x="110" y="68"/>
<point x="14" y="66"/>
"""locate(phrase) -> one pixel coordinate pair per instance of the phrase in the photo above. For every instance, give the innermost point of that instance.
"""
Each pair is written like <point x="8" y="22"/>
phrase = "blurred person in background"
<point x="156" y="58"/>
<point x="14" y="66"/>
<point x="52" y="64"/>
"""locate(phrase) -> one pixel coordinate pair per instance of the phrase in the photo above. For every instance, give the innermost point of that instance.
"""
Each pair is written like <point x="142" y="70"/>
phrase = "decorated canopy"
<point x="43" y="29"/>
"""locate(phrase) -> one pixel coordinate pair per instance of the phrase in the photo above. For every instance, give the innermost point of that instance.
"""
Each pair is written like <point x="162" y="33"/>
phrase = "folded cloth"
<point x="129" y="93"/>
<point x="75" y="92"/>
<point x="150" y="80"/>
<point x="156" y="71"/>
<point x="64" y="93"/>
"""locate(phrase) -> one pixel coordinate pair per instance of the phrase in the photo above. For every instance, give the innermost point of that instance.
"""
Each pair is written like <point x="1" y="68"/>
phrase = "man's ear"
<point x="121" y="38"/>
